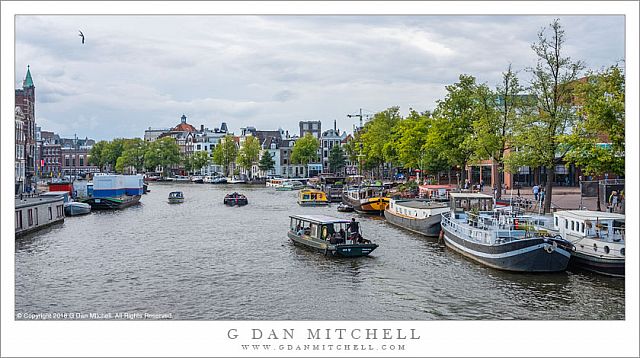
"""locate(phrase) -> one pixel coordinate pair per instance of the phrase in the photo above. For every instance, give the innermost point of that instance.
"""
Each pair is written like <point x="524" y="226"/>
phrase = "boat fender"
<point x="549" y="248"/>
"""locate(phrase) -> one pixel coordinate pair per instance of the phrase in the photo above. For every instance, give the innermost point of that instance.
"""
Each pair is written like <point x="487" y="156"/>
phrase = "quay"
<point x="36" y="213"/>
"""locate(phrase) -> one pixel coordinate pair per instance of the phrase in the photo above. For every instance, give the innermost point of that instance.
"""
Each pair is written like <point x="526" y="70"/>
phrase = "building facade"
<point x="25" y="98"/>
<point x="313" y="127"/>
<point x="328" y="140"/>
<point x="20" y="137"/>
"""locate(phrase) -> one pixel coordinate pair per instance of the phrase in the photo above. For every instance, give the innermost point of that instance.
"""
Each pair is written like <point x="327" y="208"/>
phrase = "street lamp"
<point x="458" y="179"/>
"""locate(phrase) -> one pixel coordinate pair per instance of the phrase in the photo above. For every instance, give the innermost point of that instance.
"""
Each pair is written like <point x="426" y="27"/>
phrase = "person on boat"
<point x="354" y="228"/>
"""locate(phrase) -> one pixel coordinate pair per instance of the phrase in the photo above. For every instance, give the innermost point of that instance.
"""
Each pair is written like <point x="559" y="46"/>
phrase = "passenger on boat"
<point x="354" y="230"/>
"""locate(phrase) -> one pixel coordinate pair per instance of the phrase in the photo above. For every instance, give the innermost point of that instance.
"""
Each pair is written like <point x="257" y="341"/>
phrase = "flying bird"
<point x="81" y="35"/>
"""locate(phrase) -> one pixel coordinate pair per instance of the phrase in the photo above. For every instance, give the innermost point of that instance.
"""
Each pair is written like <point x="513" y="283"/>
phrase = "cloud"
<point x="134" y="72"/>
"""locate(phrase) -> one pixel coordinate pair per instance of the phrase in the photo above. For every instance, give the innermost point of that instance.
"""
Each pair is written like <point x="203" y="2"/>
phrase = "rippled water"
<point x="202" y="260"/>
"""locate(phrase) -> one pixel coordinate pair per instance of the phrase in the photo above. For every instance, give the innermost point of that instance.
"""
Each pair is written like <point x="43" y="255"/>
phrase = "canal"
<point x="202" y="260"/>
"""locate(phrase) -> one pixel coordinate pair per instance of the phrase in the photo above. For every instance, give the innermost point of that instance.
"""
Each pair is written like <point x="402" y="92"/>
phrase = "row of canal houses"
<point x="278" y="143"/>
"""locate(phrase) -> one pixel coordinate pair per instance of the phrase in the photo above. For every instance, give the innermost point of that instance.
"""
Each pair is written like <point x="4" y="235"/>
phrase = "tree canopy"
<point x="225" y="153"/>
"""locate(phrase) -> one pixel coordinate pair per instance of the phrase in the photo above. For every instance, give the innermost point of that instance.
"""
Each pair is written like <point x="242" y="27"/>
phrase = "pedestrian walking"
<point x="613" y="200"/>
<point x="536" y="190"/>
<point x="542" y="195"/>
<point x="481" y="185"/>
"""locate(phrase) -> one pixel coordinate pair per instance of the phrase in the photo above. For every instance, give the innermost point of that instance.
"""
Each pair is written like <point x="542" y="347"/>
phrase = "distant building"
<point x="75" y="156"/>
<point x="313" y="127"/>
<point x="20" y="152"/>
<point x="26" y="99"/>
<point x="328" y="140"/>
<point x="288" y="169"/>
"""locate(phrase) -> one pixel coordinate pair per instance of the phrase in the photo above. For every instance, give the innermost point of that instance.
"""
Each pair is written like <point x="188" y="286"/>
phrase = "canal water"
<point x="201" y="260"/>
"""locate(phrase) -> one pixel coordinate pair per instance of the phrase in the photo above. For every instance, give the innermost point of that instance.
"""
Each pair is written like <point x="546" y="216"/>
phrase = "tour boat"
<point x="366" y="199"/>
<point x="328" y="235"/>
<point x="236" y="180"/>
<point x="598" y="237"/>
<point x="312" y="197"/>
<point x="418" y="215"/>
<point x="290" y="185"/>
<point x="499" y="239"/>
<point x="235" y="199"/>
<point x="176" y="197"/>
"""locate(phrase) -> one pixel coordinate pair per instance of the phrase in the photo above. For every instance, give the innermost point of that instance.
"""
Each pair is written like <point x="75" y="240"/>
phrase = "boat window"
<point x="30" y="216"/>
<point x="572" y="225"/>
<point x="314" y="230"/>
<point x="305" y="197"/>
<point x="556" y="218"/>
<point x="566" y="224"/>
<point x="582" y="227"/>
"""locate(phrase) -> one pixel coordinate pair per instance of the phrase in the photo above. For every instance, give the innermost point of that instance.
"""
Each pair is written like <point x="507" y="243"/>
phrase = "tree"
<point x="411" y="136"/>
<point x="602" y="119"/>
<point x="95" y="154"/>
<point x="132" y="154"/>
<point x="249" y="153"/>
<point x="538" y="136"/>
<point x="199" y="160"/>
<point x="337" y="159"/>
<point x="266" y="162"/>
<point x="305" y="150"/>
<point x="225" y="152"/>
<point x="493" y="130"/>
<point x="377" y="138"/>
<point x="453" y="128"/>
<point x="163" y="152"/>
<point x="112" y="151"/>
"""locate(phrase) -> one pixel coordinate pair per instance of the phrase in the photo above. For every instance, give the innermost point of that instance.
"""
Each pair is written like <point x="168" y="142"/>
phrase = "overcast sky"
<point x="135" y="72"/>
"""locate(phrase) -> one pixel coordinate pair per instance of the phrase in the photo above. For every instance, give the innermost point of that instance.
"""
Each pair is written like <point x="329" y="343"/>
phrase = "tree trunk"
<point x="498" y="182"/>
<point x="547" y="190"/>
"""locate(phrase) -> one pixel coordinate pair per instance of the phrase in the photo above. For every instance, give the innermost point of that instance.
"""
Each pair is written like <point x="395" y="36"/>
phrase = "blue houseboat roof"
<point x="321" y="219"/>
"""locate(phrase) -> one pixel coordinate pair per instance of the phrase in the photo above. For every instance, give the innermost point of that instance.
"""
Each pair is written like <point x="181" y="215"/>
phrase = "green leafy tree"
<point x="95" y="154"/>
<point x="249" y="153"/>
<point x="163" y="152"/>
<point x="112" y="151"/>
<point x="305" y="150"/>
<point x="337" y="159"/>
<point x="199" y="160"/>
<point x="411" y="136"/>
<point x="453" y="129"/>
<point x="120" y="165"/>
<point x="133" y="154"/>
<point x="187" y="163"/>
<point x="602" y="120"/>
<point x="377" y="138"/>
<point x="538" y="136"/>
<point x="266" y="162"/>
<point x="493" y="130"/>
<point x="225" y="153"/>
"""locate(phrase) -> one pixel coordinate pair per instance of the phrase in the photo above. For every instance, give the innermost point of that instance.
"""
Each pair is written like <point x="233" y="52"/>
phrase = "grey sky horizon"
<point x="135" y="72"/>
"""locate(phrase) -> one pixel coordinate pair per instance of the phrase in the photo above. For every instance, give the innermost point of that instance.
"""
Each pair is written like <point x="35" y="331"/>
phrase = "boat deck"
<point x="421" y="204"/>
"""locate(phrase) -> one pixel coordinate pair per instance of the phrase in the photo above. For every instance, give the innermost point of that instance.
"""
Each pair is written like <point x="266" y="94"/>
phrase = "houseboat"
<point x="367" y="199"/>
<point x="71" y="208"/>
<point x="312" y="197"/>
<point x="598" y="237"/>
<point x="418" y="215"/>
<point x="328" y="235"/>
<point x="332" y="186"/>
<point x="176" y="197"/>
<point x="235" y="199"/>
<point x="275" y="182"/>
<point x="436" y="192"/>
<point x="35" y="213"/>
<point x="115" y="191"/>
<point x="499" y="239"/>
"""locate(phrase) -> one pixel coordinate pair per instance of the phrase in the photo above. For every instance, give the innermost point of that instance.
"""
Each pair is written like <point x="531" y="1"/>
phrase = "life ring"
<point x="549" y="248"/>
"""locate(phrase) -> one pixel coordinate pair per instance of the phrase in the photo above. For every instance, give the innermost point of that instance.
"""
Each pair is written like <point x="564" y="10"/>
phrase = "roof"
<point x="322" y="219"/>
<point x="28" y="82"/>
<point x="470" y="195"/>
<point x="590" y="215"/>
<point x="184" y="127"/>
<point x="420" y="203"/>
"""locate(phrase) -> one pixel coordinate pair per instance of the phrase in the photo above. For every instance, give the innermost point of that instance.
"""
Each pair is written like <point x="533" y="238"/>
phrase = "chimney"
<point x="335" y="125"/>
<point x="287" y="134"/>
<point x="202" y="128"/>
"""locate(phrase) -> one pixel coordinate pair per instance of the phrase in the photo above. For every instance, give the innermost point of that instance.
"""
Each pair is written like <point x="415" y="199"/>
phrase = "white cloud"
<point x="272" y="71"/>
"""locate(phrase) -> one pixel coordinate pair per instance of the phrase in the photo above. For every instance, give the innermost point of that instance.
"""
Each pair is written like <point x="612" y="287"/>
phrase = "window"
<point x="50" y="213"/>
<point x="59" y="211"/>
<point x="36" y="214"/>
<point x="572" y="225"/>
<point x="30" y="217"/>
<point x="81" y="161"/>
<point x="582" y="227"/>
<point x="556" y="219"/>
<point x="66" y="161"/>
<point x="18" y="219"/>
<point x="566" y="224"/>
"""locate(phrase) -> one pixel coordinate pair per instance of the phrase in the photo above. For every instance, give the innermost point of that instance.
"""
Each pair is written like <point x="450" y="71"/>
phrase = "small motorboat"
<point x="345" y="208"/>
<point x="71" y="207"/>
<point x="235" y="199"/>
<point x="176" y="197"/>
<point x="197" y="179"/>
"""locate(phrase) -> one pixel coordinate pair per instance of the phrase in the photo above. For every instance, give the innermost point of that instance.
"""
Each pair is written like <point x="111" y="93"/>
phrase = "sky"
<point x="136" y="72"/>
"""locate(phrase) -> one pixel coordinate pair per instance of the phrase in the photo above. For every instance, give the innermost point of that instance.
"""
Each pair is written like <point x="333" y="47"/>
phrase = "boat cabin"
<point x="176" y="195"/>
<point x="604" y="226"/>
<point x="320" y="227"/>
<point x="462" y="202"/>
<point x="312" y="196"/>
<point x="436" y="192"/>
